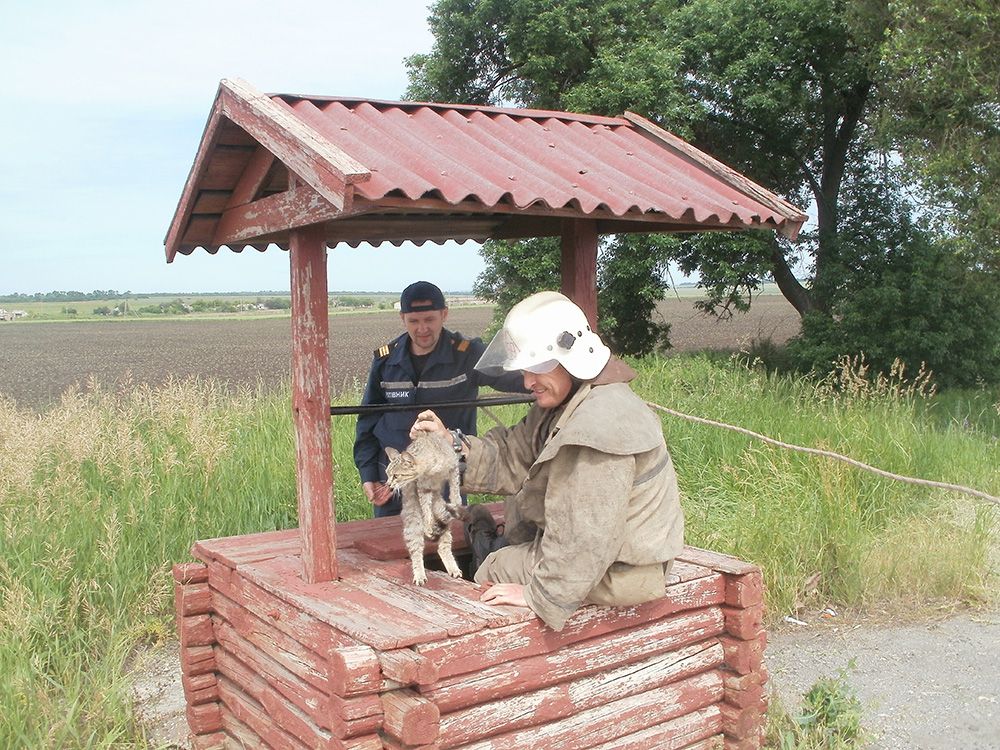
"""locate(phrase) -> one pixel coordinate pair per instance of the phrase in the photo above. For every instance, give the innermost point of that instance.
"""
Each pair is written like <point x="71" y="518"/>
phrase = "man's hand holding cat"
<point x="428" y="421"/>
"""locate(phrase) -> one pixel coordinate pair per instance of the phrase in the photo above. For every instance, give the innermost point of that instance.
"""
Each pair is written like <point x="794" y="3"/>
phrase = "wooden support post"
<point x="579" y="265"/>
<point x="311" y="403"/>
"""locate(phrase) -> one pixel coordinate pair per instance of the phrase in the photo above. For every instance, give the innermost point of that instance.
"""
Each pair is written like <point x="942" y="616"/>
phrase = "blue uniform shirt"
<point x="449" y="374"/>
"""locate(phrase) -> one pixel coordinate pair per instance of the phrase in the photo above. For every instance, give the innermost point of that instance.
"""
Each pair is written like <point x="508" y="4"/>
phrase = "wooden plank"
<point x="745" y="590"/>
<point x="190" y="572"/>
<point x="744" y="622"/>
<point x="614" y="719"/>
<point x="213" y="741"/>
<point x="306" y="153"/>
<point x="480" y="650"/>
<point x="252" y="714"/>
<point x="240" y="734"/>
<point x="204" y="718"/>
<point x="182" y="214"/>
<point x="717" y="561"/>
<point x="698" y="729"/>
<point x="578" y="261"/>
<point x="197" y="660"/>
<point x="311" y="632"/>
<point x="418" y="601"/>
<point x="235" y="652"/>
<point x="272" y="214"/>
<point x="410" y="718"/>
<point x="727" y="174"/>
<point x="345" y="607"/>
<point x="311" y="404"/>
<point x="740" y="723"/>
<point x="195" y="631"/>
<point x="454" y="593"/>
<point x="567" y="699"/>
<point x="284" y="713"/>
<point x="304" y="663"/>
<point x="252" y="179"/>
<point x="744" y="657"/>
<point x="408" y="667"/>
<point x="236" y="550"/>
<point x="575" y="660"/>
<point x="192" y="599"/>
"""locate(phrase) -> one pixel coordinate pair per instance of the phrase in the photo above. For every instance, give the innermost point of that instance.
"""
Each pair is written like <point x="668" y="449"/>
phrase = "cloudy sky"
<point x="104" y="104"/>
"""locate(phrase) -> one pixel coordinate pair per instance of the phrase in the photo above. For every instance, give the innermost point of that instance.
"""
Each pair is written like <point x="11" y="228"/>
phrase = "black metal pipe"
<point x="383" y="408"/>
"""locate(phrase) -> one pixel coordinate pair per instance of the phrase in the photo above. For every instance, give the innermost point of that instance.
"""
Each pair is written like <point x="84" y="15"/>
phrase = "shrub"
<point x="919" y="304"/>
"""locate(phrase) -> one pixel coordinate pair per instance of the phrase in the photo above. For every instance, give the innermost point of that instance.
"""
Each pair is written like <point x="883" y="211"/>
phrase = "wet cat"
<point x="420" y="473"/>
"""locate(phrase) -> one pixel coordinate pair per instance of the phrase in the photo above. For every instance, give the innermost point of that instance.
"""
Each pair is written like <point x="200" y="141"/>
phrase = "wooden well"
<point x="371" y="661"/>
<point x="315" y="637"/>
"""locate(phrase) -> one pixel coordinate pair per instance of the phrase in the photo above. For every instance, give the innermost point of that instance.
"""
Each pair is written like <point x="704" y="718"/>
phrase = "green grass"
<point x="102" y="493"/>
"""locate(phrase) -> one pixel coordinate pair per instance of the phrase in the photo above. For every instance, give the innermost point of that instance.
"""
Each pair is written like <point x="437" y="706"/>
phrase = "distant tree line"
<point x="70" y="296"/>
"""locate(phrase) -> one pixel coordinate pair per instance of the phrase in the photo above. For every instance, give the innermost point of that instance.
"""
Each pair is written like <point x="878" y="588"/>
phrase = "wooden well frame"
<point x="314" y="637"/>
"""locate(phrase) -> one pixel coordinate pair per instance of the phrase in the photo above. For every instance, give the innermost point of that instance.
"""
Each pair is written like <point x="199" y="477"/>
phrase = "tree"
<point x="942" y="74"/>
<point x="794" y="93"/>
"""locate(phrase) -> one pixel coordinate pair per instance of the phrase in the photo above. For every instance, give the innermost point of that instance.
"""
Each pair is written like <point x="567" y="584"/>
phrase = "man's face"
<point x="424" y="329"/>
<point x="549" y="388"/>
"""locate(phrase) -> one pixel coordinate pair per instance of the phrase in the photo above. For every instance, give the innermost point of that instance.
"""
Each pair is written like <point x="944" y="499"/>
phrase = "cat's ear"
<point x="391" y="452"/>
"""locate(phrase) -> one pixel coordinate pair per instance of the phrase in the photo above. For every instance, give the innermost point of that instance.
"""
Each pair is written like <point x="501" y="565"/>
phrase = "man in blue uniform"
<point x="427" y="364"/>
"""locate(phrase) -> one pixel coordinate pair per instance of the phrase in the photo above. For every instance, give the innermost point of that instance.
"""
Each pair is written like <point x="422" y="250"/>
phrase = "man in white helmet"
<point x="592" y="512"/>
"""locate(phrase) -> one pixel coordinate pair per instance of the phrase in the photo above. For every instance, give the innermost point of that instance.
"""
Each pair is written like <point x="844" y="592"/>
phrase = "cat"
<point x="420" y="473"/>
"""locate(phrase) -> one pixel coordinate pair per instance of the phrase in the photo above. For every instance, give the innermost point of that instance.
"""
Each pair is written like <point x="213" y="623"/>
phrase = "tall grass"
<point x="102" y="493"/>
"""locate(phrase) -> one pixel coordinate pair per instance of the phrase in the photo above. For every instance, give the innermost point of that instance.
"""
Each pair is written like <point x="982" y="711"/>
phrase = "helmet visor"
<point x="505" y="355"/>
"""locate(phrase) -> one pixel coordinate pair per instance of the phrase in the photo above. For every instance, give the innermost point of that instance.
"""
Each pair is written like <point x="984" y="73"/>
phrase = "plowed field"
<point x="38" y="361"/>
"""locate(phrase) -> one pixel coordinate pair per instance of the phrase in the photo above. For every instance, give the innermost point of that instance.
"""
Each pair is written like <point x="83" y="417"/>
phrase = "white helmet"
<point x="542" y="331"/>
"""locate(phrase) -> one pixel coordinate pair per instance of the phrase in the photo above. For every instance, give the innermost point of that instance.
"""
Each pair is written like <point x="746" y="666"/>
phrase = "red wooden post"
<point x="579" y="265"/>
<point x="311" y="403"/>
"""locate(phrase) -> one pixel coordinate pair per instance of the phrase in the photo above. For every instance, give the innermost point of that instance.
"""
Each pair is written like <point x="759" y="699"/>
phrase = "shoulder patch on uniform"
<point x="460" y="342"/>
<point x="383" y="351"/>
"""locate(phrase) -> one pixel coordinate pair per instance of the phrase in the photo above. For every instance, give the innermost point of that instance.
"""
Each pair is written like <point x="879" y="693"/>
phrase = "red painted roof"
<point x="442" y="171"/>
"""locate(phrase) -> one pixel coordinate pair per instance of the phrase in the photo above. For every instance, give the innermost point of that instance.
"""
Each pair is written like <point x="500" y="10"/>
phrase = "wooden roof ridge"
<point x="310" y="155"/>
<point x="518" y="112"/>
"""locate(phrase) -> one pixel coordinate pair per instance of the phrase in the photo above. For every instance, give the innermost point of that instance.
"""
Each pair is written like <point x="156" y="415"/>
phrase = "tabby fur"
<point x="420" y="473"/>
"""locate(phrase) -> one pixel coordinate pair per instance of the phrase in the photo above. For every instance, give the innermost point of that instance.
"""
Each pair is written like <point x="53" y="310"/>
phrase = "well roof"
<point x="376" y="171"/>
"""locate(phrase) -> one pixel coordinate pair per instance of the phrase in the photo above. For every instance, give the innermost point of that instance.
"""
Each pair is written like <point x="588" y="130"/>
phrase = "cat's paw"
<point x="454" y="571"/>
<point x="419" y="579"/>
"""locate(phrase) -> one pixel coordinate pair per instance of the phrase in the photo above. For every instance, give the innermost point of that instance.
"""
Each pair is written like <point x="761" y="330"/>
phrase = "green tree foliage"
<point x="794" y="93"/>
<point x="943" y="77"/>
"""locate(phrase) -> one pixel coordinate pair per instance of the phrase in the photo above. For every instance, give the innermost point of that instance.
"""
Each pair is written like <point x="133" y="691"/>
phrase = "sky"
<point x="104" y="104"/>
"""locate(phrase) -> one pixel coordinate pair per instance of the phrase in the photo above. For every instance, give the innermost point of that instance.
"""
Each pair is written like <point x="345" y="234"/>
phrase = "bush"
<point x="918" y="304"/>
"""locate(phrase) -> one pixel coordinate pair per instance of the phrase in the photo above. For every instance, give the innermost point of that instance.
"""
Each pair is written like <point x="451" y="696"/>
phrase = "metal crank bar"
<point x="383" y="408"/>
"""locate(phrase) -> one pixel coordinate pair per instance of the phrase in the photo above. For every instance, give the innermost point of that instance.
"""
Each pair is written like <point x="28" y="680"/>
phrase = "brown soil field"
<point x="39" y="361"/>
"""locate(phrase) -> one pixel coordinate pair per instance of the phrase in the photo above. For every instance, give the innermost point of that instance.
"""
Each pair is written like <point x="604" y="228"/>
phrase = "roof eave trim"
<point x="794" y="217"/>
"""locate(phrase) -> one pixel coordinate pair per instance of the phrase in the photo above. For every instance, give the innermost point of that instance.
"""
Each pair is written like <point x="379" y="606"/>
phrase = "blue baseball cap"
<point x="421" y="296"/>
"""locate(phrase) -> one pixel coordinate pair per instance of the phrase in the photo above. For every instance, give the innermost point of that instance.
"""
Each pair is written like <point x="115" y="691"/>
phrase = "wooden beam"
<point x="311" y="404"/>
<point x="296" y="207"/>
<point x="579" y="265"/>
<point x="252" y="178"/>
<point x="322" y="165"/>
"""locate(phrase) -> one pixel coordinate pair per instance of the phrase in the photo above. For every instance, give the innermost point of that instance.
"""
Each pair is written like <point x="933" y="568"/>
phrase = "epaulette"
<point x="459" y="342"/>
<point x="383" y="351"/>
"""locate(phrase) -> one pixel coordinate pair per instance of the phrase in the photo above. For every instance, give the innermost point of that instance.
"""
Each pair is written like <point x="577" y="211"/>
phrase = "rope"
<point x="831" y="454"/>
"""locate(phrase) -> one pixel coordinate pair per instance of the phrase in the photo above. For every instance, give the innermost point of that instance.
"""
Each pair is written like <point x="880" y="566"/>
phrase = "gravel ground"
<point x="926" y="686"/>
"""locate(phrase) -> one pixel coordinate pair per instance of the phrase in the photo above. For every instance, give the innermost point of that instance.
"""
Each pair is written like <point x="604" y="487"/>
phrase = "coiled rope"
<point x="830" y="454"/>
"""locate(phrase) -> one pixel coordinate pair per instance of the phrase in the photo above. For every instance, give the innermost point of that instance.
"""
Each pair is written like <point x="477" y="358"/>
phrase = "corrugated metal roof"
<point x="376" y="171"/>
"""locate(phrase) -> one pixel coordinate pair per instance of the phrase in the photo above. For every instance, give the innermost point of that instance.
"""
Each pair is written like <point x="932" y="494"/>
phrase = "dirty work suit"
<point x="449" y="374"/>
<point x="593" y="513"/>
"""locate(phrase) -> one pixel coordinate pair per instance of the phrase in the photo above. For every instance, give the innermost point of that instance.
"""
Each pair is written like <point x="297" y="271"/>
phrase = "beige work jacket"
<point x="594" y="478"/>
